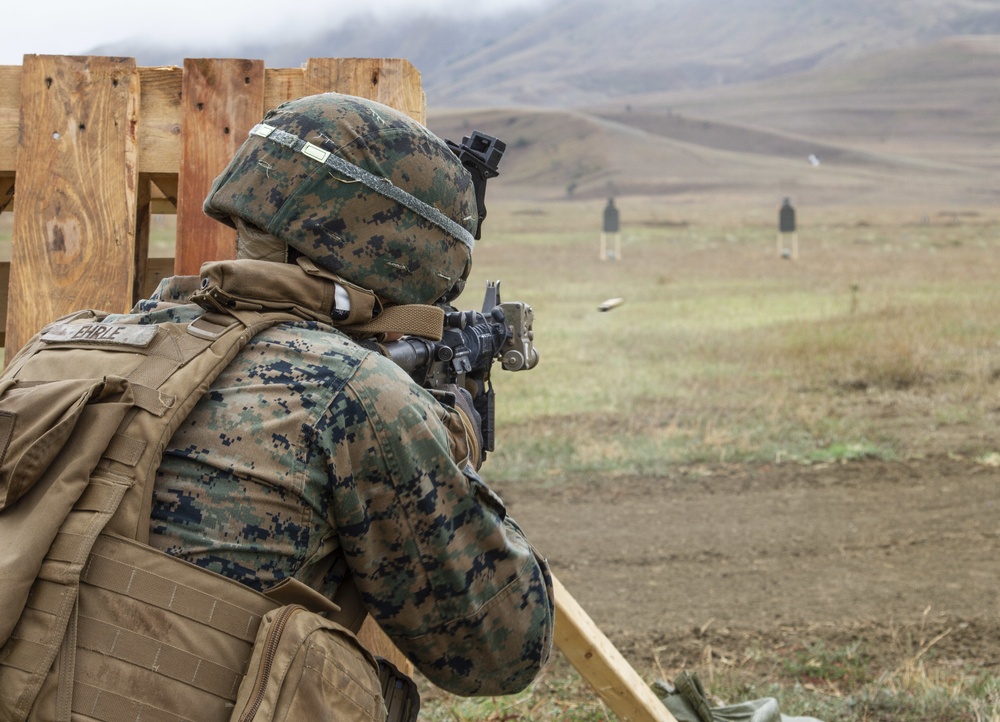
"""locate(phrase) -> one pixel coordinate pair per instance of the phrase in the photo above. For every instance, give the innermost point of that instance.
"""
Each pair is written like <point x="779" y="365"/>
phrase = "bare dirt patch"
<point x="703" y="563"/>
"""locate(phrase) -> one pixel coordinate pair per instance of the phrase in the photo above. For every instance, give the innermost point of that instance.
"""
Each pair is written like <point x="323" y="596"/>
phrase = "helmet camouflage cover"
<point x="363" y="190"/>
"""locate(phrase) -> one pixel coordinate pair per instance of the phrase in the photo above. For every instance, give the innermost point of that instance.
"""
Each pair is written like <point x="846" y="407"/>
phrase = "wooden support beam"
<point x="4" y="285"/>
<point x="74" y="246"/>
<point x="10" y="115"/>
<point x="166" y="184"/>
<point x="6" y="191"/>
<point x="163" y="194"/>
<point x="602" y="665"/>
<point x="390" y="81"/>
<point x="143" y="220"/>
<point x="162" y="207"/>
<point x="222" y="100"/>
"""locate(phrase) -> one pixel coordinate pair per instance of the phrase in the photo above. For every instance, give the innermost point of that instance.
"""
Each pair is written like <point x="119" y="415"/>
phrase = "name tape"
<point x="101" y="333"/>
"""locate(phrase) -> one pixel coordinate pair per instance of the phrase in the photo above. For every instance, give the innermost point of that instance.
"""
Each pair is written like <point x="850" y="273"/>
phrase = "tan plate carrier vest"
<point x="95" y="624"/>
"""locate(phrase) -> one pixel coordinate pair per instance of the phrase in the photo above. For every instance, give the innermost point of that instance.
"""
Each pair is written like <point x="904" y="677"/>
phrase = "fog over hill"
<point x="899" y="99"/>
<point x="575" y="52"/>
<point x="916" y="125"/>
<point x="580" y="52"/>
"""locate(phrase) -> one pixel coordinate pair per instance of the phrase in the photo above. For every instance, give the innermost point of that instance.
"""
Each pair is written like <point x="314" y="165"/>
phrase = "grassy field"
<point x="834" y="685"/>
<point x="724" y="351"/>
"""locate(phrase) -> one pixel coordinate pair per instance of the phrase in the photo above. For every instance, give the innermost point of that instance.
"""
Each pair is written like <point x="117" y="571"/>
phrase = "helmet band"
<point x="382" y="186"/>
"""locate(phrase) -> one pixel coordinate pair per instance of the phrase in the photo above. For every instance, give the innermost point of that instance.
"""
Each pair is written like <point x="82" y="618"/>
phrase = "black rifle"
<point x="470" y="343"/>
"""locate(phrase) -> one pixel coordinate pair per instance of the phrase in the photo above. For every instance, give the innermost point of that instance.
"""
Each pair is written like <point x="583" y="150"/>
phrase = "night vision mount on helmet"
<point x="364" y="191"/>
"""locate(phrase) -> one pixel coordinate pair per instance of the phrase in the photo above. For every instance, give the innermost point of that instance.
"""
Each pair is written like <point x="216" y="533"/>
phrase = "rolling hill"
<point x="898" y="99"/>
<point x="555" y="154"/>
<point x="916" y="125"/>
<point x="581" y="52"/>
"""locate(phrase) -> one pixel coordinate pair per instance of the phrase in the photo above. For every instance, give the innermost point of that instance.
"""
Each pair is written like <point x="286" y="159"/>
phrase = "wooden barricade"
<point x="92" y="147"/>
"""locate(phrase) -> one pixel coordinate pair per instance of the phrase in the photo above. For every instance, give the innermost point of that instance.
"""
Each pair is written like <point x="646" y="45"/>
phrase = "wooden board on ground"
<point x="602" y="665"/>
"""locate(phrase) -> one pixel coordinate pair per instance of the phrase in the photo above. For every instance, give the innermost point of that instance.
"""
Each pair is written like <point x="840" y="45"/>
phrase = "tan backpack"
<point x="94" y="622"/>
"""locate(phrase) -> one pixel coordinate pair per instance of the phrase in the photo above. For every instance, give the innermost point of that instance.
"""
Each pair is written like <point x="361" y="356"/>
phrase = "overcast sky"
<point x="35" y="27"/>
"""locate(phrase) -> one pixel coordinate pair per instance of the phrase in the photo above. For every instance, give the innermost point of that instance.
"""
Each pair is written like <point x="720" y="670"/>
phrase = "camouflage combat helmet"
<point x="363" y="190"/>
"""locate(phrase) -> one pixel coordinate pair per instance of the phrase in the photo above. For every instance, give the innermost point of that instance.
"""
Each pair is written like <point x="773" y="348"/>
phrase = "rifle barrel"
<point x="409" y="353"/>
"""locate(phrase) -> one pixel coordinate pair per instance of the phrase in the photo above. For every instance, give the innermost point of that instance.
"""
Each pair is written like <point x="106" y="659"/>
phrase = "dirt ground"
<point x="705" y="562"/>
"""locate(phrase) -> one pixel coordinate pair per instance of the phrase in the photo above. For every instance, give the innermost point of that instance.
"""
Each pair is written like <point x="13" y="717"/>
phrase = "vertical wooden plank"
<point x="221" y="101"/>
<point x="10" y="110"/>
<point x="74" y="211"/>
<point x="160" y="120"/>
<point x="282" y="85"/>
<point x="390" y="81"/>
<point x="4" y="283"/>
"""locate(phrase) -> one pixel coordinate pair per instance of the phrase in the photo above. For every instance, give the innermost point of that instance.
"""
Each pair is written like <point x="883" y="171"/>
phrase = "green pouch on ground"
<point x="687" y="702"/>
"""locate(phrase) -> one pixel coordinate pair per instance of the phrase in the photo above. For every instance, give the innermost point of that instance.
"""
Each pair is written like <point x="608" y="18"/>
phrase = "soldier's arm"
<point x="449" y="577"/>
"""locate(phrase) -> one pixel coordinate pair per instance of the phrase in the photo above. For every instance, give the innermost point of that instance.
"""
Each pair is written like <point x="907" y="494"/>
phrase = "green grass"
<point x="559" y="693"/>
<point x="842" y="683"/>
<point x="721" y="351"/>
<point x="847" y="684"/>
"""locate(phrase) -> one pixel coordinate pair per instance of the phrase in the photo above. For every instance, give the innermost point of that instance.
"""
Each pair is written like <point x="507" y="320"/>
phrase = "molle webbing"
<point x="48" y="620"/>
<point x="185" y="661"/>
<point x="61" y="635"/>
<point x="110" y="628"/>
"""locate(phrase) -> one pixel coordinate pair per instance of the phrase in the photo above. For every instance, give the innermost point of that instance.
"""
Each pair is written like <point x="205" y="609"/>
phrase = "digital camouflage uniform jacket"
<point x="313" y="457"/>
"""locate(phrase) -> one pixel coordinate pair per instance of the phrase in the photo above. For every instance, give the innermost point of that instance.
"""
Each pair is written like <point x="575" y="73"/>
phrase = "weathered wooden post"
<point x="76" y="176"/>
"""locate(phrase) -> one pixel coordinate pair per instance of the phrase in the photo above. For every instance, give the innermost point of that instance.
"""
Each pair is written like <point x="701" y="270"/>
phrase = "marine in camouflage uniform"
<point x="316" y="458"/>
